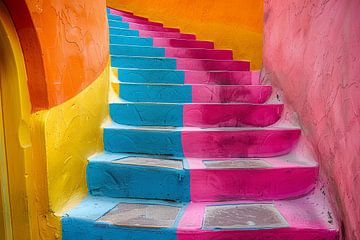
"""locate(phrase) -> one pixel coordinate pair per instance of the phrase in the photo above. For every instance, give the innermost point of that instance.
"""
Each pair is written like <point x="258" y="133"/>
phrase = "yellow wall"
<point x="64" y="137"/>
<point x="231" y="24"/>
<point x="73" y="133"/>
<point x="46" y="151"/>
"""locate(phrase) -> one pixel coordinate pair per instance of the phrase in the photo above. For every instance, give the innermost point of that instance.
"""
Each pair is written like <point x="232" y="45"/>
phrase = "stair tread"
<point x="112" y="125"/>
<point x="300" y="214"/>
<point x="290" y="160"/>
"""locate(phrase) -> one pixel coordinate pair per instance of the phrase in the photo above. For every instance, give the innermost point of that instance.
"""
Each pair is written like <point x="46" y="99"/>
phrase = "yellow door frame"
<point x="16" y="189"/>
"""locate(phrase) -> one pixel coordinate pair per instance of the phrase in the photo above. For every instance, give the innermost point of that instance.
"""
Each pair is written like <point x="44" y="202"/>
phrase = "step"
<point x="130" y="40"/>
<point x="124" y="32"/>
<point x="119" y="13"/>
<point x="178" y="43"/>
<point x="196" y="179"/>
<point x="187" y="77"/>
<point x="178" y="63"/>
<point x="159" y="42"/>
<point x="132" y="20"/>
<point x="192" y="93"/>
<point x="146" y="27"/>
<point x="204" y="115"/>
<point x="144" y="33"/>
<point x="140" y="26"/>
<point x="148" y="51"/>
<point x="124" y="219"/>
<point x="201" y="142"/>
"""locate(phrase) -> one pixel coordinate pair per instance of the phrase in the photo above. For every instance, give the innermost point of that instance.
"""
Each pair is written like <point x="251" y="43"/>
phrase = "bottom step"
<point x="130" y="219"/>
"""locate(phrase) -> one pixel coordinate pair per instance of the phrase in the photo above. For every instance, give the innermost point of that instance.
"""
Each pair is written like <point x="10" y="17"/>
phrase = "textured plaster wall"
<point x="65" y="45"/>
<point x="312" y="54"/>
<point x="231" y="24"/>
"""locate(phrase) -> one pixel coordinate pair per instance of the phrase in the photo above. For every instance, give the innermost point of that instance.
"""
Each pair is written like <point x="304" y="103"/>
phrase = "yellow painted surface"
<point x="46" y="151"/>
<point x="5" y="214"/>
<point x="72" y="134"/>
<point x="16" y="118"/>
<point x="231" y="24"/>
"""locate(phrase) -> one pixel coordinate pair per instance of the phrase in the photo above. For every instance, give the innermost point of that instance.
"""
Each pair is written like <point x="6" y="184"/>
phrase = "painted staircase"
<point x="195" y="150"/>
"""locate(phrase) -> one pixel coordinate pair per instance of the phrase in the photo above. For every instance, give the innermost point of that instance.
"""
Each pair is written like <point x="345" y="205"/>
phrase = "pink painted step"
<point x="230" y="93"/>
<point x="199" y="53"/>
<point x="137" y="26"/>
<point x="206" y="65"/>
<point x="144" y="33"/>
<point x="233" y="142"/>
<point x="259" y="179"/>
<point x="222" y="77"/>
<point x="182" y="43"/>
<point x="301" y="219"/>
<point x="128" y="15"/>
<point x="141" y="21"/>
<point x="231" y="115"/>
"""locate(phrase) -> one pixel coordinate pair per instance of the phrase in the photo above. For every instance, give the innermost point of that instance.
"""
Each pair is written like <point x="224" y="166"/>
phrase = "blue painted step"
<point x="156" y="93"/>
<point x="143" y="62"/>
<point x="143" y="114"/>
<point x="151" y="76"/>
<point x="118" y="24"/>
<point x="131" y="40"/>
<point x="126" y="176"/>
<point x="88" y="220"/>
<point x="123" y="32"/>
<point x="114" y="17"/>
<point x="126" y="50"/>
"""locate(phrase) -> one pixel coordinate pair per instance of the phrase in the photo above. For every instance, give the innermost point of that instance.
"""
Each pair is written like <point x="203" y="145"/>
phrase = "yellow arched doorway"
<point x="15" y="140"/>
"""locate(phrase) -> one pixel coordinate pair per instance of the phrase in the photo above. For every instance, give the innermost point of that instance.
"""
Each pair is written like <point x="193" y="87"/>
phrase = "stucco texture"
<point x="311" y="53"/>
<point x="231" y="24"/>
<point x="65" y="45"/>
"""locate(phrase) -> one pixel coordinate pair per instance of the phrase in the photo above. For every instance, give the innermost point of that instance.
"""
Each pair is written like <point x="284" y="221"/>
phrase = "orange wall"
<point x="65" y="45"/>
<point x="231" y="24"/>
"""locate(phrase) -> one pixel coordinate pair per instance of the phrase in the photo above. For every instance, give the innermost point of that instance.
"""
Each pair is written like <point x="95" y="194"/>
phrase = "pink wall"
<point x="312" y="54"/>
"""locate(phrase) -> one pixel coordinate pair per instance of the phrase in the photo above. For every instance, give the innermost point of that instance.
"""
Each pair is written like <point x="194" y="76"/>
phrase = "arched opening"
<point x="15" y="143"/>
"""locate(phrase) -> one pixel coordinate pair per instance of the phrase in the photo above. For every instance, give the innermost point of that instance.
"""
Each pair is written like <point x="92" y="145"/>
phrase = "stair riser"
<point x="175" y="35"/>
<point x="132" y="20"/>
<point x="118" y="13"/>
<point x="126" y="50"/>
<point x="125" y="181"/>
<point x="229" y="144"/>
<point x="140" y="26"/>
<point x="137" y="26"/>
<point x="163" y="42"/>
<point x="78" y="229"/>
<point x="179" y="63"/>
<point x="256" y="184"/>
<point x="273" y="234"/>
<point x="188" y="77"/>
<point x="159" y="42"/>
<point x="195" y="115"/>
<point x="146" y="34"/>
<point x="194" y="93"/>
<point x="199" y="185"/>
<point x="134" y="41"/>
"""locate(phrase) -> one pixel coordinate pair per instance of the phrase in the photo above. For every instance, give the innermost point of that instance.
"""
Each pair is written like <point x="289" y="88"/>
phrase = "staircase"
<point x="196" y="149"/>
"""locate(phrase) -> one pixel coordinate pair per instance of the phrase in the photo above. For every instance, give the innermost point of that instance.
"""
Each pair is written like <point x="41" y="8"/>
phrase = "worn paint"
<point x="107" y="178"/>
<point x="197" y="142"/>
<point x="85" y="222"/>
<point x="311" y="51"/>
<point x="195" y="114"/>
<point x="72" y="34"/>
<point x="193" y="93"/>
<point x="235" y="25"/>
